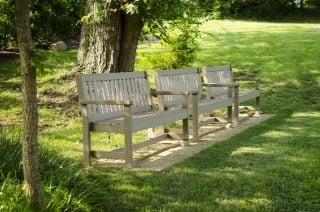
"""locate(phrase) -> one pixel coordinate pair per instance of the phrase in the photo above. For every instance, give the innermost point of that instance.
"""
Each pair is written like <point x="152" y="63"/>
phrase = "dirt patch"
<point x="65" y="103"/>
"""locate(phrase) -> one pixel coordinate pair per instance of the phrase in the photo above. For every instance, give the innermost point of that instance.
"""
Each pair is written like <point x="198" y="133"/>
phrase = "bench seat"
<point x="243" y="95"/>
<point x="207" y="106"/>
<point x="224" y="75"/>
<point x="185" y="80"/>
<point x="140" y="121"/>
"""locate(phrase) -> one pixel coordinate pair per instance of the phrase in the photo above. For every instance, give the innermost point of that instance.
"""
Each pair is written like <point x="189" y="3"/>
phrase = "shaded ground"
<point x="8" y="56"/>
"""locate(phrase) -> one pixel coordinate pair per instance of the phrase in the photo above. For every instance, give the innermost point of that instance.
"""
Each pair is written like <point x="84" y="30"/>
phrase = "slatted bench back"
<point x="114" y="86"/>
<point x="179" y="81"/>
<point x="218" y="74"/>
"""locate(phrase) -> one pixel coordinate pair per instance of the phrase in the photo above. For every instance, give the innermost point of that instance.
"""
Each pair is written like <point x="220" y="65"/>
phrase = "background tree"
<point x="111" y="30"/>
<point x="30" y="150"/>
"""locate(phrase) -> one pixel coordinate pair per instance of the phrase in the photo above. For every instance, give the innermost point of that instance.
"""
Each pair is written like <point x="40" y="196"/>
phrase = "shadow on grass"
<point x="273" y="166"/>
<point x="7" y="101"/>
<point x="47" y="64"/>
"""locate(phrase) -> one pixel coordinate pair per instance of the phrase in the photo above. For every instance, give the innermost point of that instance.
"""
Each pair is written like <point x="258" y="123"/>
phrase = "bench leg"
<point x="185" y="126"/>
<point x="128" y="151"/>
<point x="86" y="145"/>
<point x="164" y="129"/>
<point x="195" y="119"/>
<point x="185" y="123"/>
<point x="258" y="109"/>
<point x="151" y="133"/>
<point x="128" y="136"/>
<point x="236" y="106"/>
<point x="229" y="109"/>
<point x="229" y="115"/>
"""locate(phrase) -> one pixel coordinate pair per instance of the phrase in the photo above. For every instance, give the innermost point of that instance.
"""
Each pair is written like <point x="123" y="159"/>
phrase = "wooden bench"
<point x="223" y="75"/>
<point x="122" y="103"/>
<point x="190" y="80"/>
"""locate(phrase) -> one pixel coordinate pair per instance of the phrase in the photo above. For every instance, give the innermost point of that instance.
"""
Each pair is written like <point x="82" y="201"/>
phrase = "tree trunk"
<point x="30" y="150"/>
<point x="132" y="26"/>
<point x="109" y="42"/>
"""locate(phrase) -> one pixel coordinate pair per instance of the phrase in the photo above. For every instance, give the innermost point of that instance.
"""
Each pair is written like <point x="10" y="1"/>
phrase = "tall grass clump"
<point x="58" y="175"/>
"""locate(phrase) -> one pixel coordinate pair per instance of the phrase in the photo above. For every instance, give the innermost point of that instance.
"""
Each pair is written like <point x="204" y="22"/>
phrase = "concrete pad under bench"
<point x="168" y="152"/>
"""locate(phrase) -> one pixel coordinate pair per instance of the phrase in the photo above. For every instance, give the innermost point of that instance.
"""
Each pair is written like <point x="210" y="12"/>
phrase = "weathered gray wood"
<point x="86" y="125"/>
<point x="159" y="118"/>
<point x="223" y="75"/>
<point x="128" y="136"/>
<point x="219" y="75"/>
<point x="221" y="85"/>
<point x="86" y="143"/>
<point x="140" y="121"/>
<point x="187" y="81"/>
<point x="195" y="118"/>
<point x="258" y="105"/>
<point x="185" y="121"/>
<point x="121" y="103"/>
<point x="248" y="95"/>
<point x="236" y="106"/>
<point x="207" y="106"/>
<point x="115" y="87"/>
<point x="113" y="76"/>
<point x="230" y="94"/>
<point x="173" y="93"/>
<point x="104" y="102"/>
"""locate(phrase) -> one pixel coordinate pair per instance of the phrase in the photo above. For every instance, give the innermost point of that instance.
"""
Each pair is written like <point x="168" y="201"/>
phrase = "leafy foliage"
<point x="266" y="9"/>
<point x="179" y="47"/>
<point x="51" y="20"/>
<point x="7" y="24"/>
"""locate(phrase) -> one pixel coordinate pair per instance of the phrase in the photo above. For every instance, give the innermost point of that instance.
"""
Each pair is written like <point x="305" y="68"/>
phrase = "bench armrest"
<point x="229" y="85"/>
<point x="105" y="102"/>
<point x="176" y="93"/>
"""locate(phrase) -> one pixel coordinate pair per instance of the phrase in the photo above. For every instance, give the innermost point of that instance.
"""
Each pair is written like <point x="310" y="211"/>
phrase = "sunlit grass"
<point x="274" y="166"/>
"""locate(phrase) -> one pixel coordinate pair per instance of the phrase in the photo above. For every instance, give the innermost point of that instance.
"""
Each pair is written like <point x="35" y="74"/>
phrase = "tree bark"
<point x="100" y="38"/>
<point x="30" y="149"/>
<point x="109" y="42"/>
<point x="132" y="26"/>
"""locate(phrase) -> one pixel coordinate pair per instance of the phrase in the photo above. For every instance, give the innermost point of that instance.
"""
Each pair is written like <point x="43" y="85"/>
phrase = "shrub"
<point x="178" y="48"/>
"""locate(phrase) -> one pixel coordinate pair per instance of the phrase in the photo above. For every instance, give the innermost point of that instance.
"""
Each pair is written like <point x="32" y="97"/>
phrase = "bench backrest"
<point x="114" y="86"/>
<point x="181" y="80"/>
<point x="218" y="74"/>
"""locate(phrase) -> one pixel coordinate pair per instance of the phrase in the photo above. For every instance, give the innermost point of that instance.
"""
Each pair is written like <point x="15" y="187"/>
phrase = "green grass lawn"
<point x="274" y="166"/>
